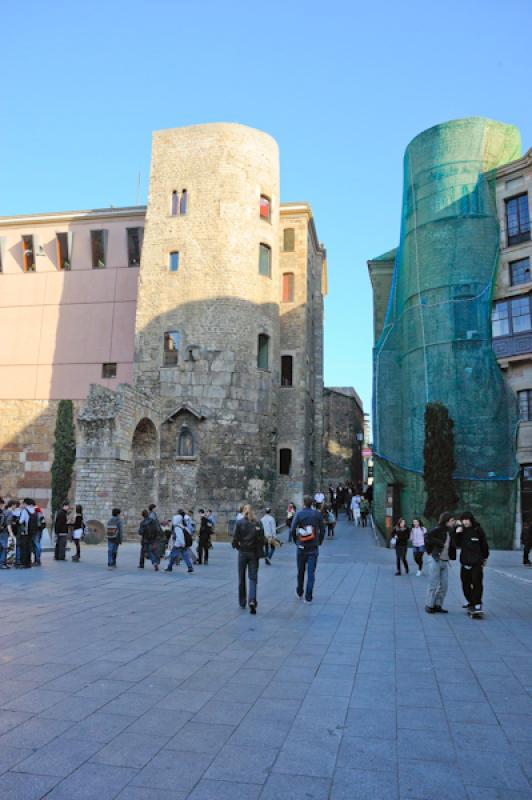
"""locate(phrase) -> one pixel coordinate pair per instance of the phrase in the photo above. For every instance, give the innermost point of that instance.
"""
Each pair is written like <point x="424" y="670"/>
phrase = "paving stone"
<point x="295" y="787"/>
<point x="20" y="786"/>
<point x="198" y="737"/>
<point x="59" y="757"/>
<point x="422" y="719"/>
<point x="35" y="732"/>
<point x="427" y="779"/>
<point x="358" y="784"/>
<point x="130" y="750"/>
<point x="91" y="782"/>
<point x="224" y="790"/>
<point x="372" y="754"/>
<point x="374" y="723"/>
<point x="222" y="713"/>
<point x="244" y="764"/>
<point x="171" y="770"/>
<point x="142" y="793"/>
<point x="9" y="756"/>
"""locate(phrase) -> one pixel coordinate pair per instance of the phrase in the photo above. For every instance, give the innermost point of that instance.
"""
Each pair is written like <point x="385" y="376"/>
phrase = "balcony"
<point x="516" y="344"/>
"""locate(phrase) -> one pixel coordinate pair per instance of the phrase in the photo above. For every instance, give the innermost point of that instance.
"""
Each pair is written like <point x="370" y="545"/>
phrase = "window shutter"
<point x="70" y="240"/>
<point x="105" y="238"/>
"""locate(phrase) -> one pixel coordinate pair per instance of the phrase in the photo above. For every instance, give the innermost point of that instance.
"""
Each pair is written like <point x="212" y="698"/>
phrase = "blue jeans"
<point x="112" y="550"/>
<point x="269" y="550"/>
<point x="247" y="563"/>
<point x="4" y="538"/>
<point x="439" y="579"/>
<point x="179" y="552"/>
<point x="36" y="545"/>
<point x="306" y="560"/>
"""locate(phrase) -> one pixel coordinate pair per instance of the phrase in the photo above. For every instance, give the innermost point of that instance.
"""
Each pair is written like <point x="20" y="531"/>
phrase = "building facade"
<point x="196" y="371"/>
<point x="343" y="421"/>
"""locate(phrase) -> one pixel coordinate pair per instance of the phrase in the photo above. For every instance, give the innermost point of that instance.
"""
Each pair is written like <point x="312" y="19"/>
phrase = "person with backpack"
<point x="115" y="533"/>
<point x="61" y="531"/>
<point x="4" y="534"/>
<point x="28" y="528"/>
<point x="204" y="538"/>
<point x="329" y="520"/>
<point x="307" y="532"/>
<point x="182" y="540"/>
<point x="364" y="511"/>
<point x="249" y="540"/>
<point x="149" y="542"/>
<point x="78" y="532"/>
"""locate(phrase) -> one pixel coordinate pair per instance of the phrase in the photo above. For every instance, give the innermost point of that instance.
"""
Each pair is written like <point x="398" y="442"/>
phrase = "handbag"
<point x="393" y="541"/>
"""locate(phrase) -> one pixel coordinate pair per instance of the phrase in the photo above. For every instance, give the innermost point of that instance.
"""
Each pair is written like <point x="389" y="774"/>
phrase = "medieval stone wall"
<point x="343" y="419"/>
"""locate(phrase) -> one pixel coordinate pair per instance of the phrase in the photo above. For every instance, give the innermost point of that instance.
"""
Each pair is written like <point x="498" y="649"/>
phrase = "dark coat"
<point x="249" y="536"/>
<point x="435" y="542"/>
<point x="402" y="535"/>
<point x="473" y="546"/>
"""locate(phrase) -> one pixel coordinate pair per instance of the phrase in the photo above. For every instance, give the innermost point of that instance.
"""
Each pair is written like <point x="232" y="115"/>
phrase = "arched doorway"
<point x="143" y="483"/>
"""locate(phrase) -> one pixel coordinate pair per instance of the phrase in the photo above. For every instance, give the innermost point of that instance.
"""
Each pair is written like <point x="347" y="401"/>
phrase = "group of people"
<point x="461" y="532"/>
<point x="21" y="526"/>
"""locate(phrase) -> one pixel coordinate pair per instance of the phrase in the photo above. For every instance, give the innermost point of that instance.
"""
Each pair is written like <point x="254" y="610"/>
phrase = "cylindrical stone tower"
<point x="207" y="325"/>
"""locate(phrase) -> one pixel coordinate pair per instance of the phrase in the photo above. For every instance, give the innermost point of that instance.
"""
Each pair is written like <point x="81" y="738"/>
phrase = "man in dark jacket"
<point x="249" y="540"/>
<point x="439" y="544"/>
<point x="526" y="538"/>
<point x="307" y="532"/>
<point x="61" y="531"/>
<point x="474" y="553"/>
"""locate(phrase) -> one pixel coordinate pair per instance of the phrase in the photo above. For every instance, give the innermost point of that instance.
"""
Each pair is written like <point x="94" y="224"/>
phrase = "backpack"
<point x="152" y="530"/>
<point x="306" y="534"/>
<point x="331" y="519"/>
<point x="112" y="530"/>
<point x="187" y="537"/>
<point x="33" y="524"/>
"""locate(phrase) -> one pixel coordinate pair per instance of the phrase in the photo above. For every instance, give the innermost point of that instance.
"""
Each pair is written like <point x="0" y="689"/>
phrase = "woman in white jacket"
<point x="417" y="537"/>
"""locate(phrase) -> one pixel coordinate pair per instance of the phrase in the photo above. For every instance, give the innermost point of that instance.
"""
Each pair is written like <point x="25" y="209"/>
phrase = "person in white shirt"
<point x="355" y="508"/>
<point x="319" y="499"/>
<point x="179" y="549"/>
<point x="270" y="530"/>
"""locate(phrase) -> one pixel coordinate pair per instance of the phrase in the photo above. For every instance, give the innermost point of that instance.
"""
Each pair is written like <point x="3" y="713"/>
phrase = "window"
<point x="517" y="219"/>
<point x="525" y="405"/>
<point x="519" y="271"/>
<point x="109" y="370"/>
<point x="175" y="204"/>
<point x="179" y="203"/>
<point x="520" y="314"/>
<point x="265" y="260"/>
<point x="171" y="348"/>
<point x="134" y="246"/>
<point x="185" y="443"/>
<point x="183" y="203"/>
<point x="285" y="460"/>
<point x="288" y="287"/>
<point x="28" y="254"/>
<point x="289" y="240"/>
<point x="263" y="351"/>
<point x="500" y="325"/>
<point x="265" y="208"/>
<point x="63" y="254"/>
<point x="286" y="370"/>
<point x="98" y="243"/>
<point x="173" y="263"/>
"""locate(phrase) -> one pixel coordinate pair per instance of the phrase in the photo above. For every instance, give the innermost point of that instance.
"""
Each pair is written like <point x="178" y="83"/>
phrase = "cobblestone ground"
<point x="145" y="686"/>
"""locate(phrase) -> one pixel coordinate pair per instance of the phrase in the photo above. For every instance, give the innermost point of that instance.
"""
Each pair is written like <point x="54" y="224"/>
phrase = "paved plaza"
<point x="144" y="686"/>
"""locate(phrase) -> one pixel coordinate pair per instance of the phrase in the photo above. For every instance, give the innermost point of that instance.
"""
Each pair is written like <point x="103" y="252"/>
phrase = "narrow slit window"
<point x="287" y="366"/>
<point x="109" y="370"/>
<point x="263" y="351"/>
<point x="171" y="349"/>
<point x="28" y="254"/>
<point x="265" y="260"/>
<point x="288" y="287"/>
<point x="134" y="246"/>
<point x="63" y="255"/>
<point x="98" y="242"/>
<point x="289" y="240"/>
<point x="500" y="324"/>
<point x="265" y="208"/>
<point x="285" y="461"/>
<point x="173" y="262"/>
<point x="175" y="204"/>
<point x="183" y="203"/>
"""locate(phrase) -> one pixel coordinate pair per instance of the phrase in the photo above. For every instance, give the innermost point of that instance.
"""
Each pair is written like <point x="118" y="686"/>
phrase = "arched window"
<point x="265" y="208"/>
<point x="183" y="203"/>
<point x="173" y="261"/>
<point x="185" y="443"/>
<point x="175" y="204"/>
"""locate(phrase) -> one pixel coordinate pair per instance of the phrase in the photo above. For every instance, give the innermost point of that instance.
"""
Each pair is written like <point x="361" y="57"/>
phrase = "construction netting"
<point x="436" y="342"/>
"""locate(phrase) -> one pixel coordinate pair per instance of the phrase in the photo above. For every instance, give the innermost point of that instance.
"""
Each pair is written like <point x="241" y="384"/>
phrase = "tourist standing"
<point x="364" y="511"/>
<point x="307" y="532"/>
<point x="149" y="542"/>
<point x="78" y="532"/>
<point x="439" y="544"/>
<point x="474" y="552"/>
<point x="319" y="499"/>
<point x="204" y="538"/>
<point x="401" y="533"/>
<point x="329" y="520"/>
<point x="355" y="509"/>
<point x="28" y="527"/>
<point x="417" y="537"/>
<point x="115" y="535"/>
<point x="181" y="538"/>
<point x="61" y="531"/>
<point x="4" y="534"/>
<point x="270" y="530"/>
<point x="249" y="540"/>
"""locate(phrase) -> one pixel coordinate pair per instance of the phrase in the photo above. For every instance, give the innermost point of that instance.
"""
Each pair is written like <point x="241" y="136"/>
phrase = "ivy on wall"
<point x="439" y="462"/>
<point x="64" y="453"/>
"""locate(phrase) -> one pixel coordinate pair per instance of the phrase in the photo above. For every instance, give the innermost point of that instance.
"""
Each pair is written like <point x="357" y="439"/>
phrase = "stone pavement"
<point x="145" y="686"/>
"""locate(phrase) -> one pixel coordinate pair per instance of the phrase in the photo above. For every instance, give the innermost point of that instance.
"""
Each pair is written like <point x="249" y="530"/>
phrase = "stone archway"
<point x="143" y="486"/>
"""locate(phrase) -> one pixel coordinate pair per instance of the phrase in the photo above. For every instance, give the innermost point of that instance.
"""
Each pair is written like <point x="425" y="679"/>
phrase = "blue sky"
<point x="343" y="87"/>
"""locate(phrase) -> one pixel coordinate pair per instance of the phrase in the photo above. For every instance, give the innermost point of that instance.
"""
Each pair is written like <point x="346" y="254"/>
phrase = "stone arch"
<point x="143" y="486"/>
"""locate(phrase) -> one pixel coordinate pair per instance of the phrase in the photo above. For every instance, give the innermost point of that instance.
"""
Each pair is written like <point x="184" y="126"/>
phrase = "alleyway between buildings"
<point x="144" y="686"/>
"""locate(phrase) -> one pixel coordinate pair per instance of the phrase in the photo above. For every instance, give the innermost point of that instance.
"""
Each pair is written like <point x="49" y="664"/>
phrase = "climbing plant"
<point x="438" y="461"/>
<point x="64" y="453"/>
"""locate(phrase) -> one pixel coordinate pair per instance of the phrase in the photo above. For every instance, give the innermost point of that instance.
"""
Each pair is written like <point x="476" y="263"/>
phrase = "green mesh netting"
<point x="436" y="340"/>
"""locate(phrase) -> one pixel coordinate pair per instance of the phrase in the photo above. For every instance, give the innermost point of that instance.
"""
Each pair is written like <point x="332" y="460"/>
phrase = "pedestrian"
<point x="149" y="541"/>
<point x="61" y="531"/>
<point x="15" y="509"/>
<point x="319" y="499"/>
<point x="181" y="540"/>
<point x="439" y="544"/>
<point x="290" y="511"/>
<point x="355" y="509"/>
<point x="526" y="538"/>
<point x="28" y="528"/>
<point x="240" y="514"/>
<point x="474" y="552"/>
<point x="348" y="498"/>
<point x="307" y="532"/>
<point x="211" y="516"/>
<point x="37" y="536"/>
<point x="270" y="530"/>
<point x="417" y="537"/>
<point x="364" y="511"/>
<point x="329" y="520"/>
<point x="204" y="538"/>
<point x="79" y="532"/>
<point x="4" y="533"/>
<point x="401" y="533"/>
<point x="115" y="535"/>
<point x="249" y="540"/>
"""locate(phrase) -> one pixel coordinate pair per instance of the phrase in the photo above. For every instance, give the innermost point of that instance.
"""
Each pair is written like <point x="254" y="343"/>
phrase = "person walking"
<point x="401" y="533"/>
<point x="290" y="513"/>
<point x="417" y="537"/>
<point x="204" y="538"/>
<point x="270" y="530"/>
<point x="355" y="509"/>
<point x="115" y="535"/>
<point x="78" y="532"/>
<point x="439" y="544"/>
<point x="329" y="520"/>
<point x="249" y="540"/>
<point x="307" y="532"/>
<point x="474" y="552"/>
<point x="28" y="528"/>
<point x="319" y="499"/>
<point x="149" y="543"/>
<point x="61" y="531"/>
<point x="182" y="540"/>
<point x="526" y="538"/>
<point x="4" y="534"/>
<point x="364" y="511"/>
